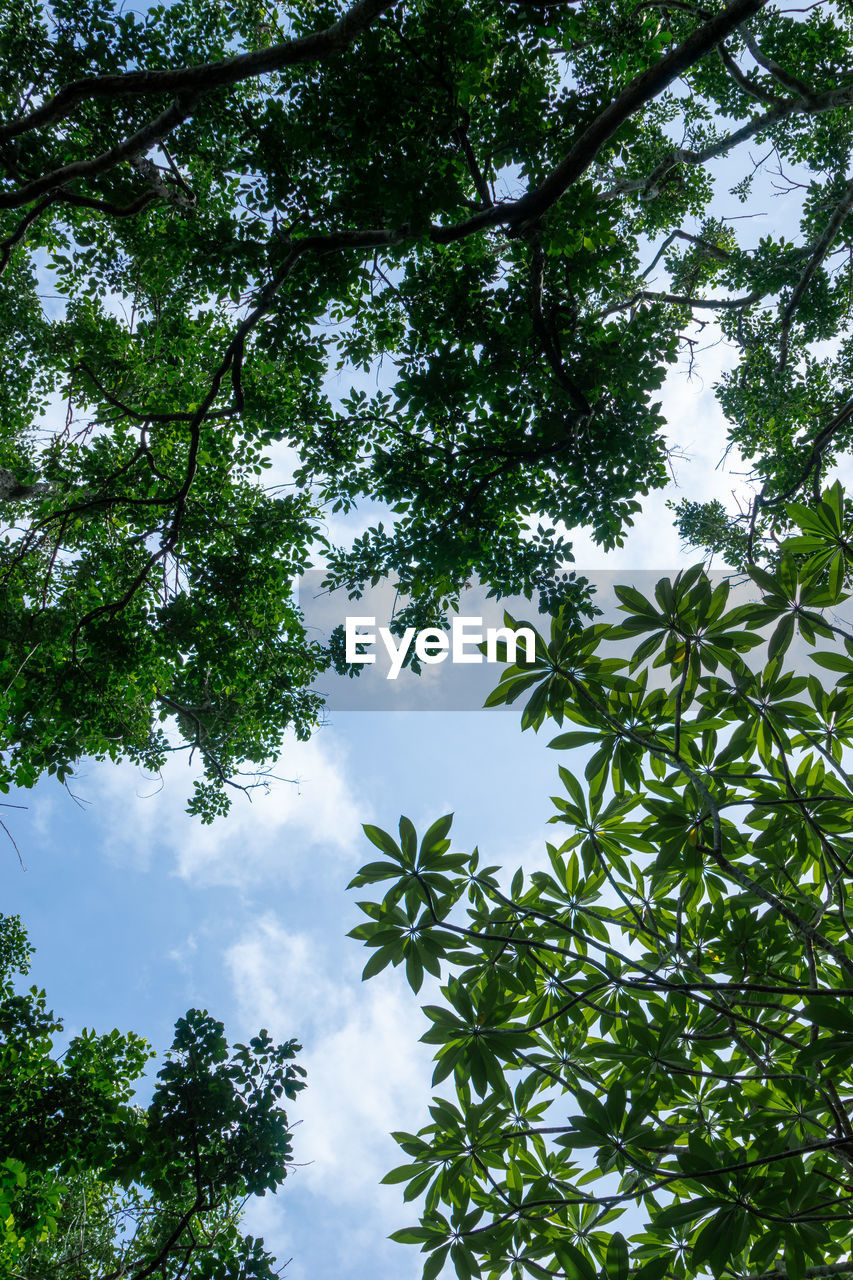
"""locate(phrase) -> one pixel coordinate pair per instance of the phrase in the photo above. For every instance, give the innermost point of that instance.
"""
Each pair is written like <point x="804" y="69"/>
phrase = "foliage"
<point x="208" y="209"/>
<point x="92" y="1183"/>
<point x="660" y="1020"/>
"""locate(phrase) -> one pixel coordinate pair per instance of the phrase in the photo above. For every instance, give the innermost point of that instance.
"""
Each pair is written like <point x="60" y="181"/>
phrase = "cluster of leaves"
<point x="215" y="650"/>
<point x="93" y="1183"/>
<point x="206" y="208"/>
<point x="659" y="1022"/>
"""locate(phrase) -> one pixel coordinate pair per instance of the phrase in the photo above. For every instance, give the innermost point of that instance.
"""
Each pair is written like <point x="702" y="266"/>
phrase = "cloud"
<point x="697" y="433"/>
<point x="367" y="1073"/>
<point x="278" y="836"/>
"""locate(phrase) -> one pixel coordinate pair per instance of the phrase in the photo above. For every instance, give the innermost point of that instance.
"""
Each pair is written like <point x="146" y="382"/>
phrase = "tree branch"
<point x="783" y="77"/>
<point x="204" y="77"/>
<point x="831" y="100"/>
<point x="642" y="89"/>
<point x="821" y="249"/>
<point x="742" y="80"/>
<point x="146" y="137"/>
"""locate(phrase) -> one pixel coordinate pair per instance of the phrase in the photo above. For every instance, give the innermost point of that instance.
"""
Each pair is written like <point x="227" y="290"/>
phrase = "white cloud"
<point x="697" y="433"/>
<point x="297" y="832"/>
<point x="367" y="1072"/>
<point x="183" y="955"/>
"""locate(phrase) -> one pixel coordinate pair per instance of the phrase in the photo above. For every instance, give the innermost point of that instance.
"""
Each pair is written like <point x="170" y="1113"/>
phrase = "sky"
<point x="137" y="912"/>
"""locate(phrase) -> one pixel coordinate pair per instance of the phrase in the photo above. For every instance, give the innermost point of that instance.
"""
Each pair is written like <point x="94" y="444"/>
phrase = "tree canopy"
<point x="92" y="1183"/>
<point x="660" y="1019"/>
<point x="220" y="223"/>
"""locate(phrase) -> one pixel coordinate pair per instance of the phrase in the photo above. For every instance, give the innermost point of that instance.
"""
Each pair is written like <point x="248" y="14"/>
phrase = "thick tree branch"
<point x="8" y="245"/>
<point x="138" y="143"/>
<point x="788" y="81"/>
<point x="201" y="79"/>
<point x="642" y="89"/>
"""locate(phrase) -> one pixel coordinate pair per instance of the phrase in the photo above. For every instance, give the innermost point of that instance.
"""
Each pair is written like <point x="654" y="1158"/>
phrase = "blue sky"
<point x="137" y="912"/>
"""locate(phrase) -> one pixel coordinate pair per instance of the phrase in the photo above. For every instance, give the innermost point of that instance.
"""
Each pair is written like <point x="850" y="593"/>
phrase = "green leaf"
<point x="829" y="1011"/>
<point x="408" y="842"/>
<point x="377" y="962"/>
<point x="574" y="1263"/>
<point x="383" y="841"/>
<point x="676" y="1215"/>
<point x="434" y="1262"/>
<point x="617" y="1260"/>
<point x="781" y="638"/>
<point x="714" y="1243"/>
<point x="833" y="662"/>
<point x="435" y="835"/>
<point x="403" y="1173"/>
<point x="414" y="1235"/>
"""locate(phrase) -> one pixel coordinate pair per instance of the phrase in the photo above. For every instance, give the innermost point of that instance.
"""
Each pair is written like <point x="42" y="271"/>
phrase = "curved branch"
<point x="145" y="138"/>
<point x="821" y="249"/>
<point x="105" y="206"/>
<point x="831" y="100"/>
<point x="15" y="238"/>
<point x="206" y="76"/>
<point x="179" y="499"/>
<point x="743" y="81"/>
<point x="643" y="88"/>
<point x="779" y="74"/>
<point x="709" y="249"/>
<point x="819" y="444"/>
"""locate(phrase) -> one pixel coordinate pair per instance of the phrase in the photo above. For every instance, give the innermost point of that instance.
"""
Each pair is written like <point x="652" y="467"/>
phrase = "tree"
<point x="208" y="209"/>
<point x="661" y="1021"/>
<point x="93" y="1183"/>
